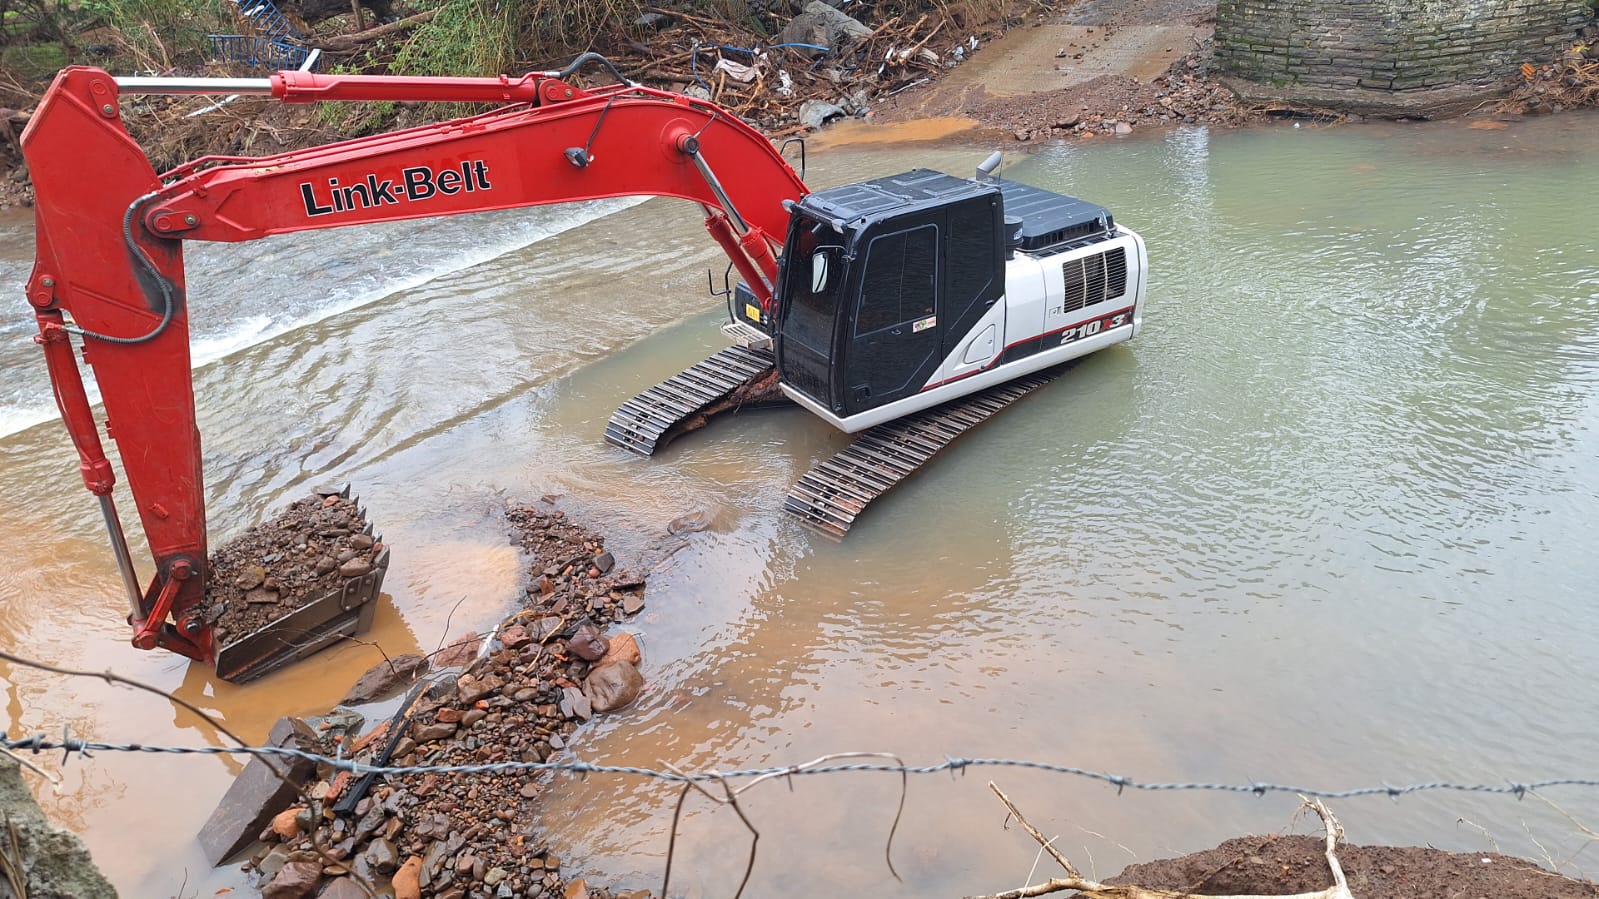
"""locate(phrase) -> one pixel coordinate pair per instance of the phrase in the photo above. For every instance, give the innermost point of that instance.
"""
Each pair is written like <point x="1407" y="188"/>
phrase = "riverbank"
<point x="1096" y="69"/>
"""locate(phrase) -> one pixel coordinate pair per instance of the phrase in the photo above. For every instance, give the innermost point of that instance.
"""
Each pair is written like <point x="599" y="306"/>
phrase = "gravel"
<point x="552" y="666"/>
<point x="281" y="564"/>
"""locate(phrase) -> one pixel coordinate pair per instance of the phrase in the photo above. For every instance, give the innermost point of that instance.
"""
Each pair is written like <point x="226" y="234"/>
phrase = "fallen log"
<point x="345" y="42"/>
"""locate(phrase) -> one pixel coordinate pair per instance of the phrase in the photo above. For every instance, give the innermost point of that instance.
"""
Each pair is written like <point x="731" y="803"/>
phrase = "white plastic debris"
<point x="736" y="70"/>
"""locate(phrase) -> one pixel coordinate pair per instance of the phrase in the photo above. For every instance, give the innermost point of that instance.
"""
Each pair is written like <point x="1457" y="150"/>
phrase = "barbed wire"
<point x="72" y="747"/>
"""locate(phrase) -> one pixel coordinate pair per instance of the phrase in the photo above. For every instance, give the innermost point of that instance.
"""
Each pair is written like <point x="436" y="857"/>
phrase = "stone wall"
<point x="1389" y="45"/>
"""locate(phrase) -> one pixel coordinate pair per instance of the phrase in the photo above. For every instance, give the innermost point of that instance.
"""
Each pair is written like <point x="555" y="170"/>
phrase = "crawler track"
<point x="646" y="422"/>
<point x="830" y="496"/>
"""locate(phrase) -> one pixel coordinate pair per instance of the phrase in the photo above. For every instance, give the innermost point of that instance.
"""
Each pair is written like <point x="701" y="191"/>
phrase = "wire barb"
<point x="39" y="743"/>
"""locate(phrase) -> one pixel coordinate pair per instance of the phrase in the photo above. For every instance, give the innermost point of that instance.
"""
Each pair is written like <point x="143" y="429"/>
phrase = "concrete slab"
<point x="261" y="790"/>
<point x="1024" y="61"/>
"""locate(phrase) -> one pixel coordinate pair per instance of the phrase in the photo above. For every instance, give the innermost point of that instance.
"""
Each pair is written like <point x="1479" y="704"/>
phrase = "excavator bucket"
<point x="340" y="611"/>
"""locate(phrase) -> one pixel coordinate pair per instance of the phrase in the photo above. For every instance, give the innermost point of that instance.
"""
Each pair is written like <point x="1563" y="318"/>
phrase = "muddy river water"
<point x="1327" y="521"/>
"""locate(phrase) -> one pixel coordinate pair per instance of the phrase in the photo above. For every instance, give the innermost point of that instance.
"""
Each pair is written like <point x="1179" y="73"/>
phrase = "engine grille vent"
<point x="1095" y="278"/>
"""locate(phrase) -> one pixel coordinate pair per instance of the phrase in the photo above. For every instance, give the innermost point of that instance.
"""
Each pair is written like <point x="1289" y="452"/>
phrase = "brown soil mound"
<point x="1273" y="865"/>
<point x="282" y="564"/>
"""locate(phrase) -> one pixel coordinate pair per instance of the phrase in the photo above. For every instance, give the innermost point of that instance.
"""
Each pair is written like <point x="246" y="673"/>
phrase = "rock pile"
<point x="282" y="564"/>
<point x="548" y="669"/>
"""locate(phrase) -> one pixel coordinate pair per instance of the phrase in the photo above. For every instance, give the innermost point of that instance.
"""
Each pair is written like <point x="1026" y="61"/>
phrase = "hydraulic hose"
<point x="168" y="307"/>
<point x="589" y="57"/>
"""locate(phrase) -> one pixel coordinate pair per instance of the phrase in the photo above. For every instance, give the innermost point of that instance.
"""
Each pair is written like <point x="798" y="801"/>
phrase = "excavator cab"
<point x="880" y="282"/>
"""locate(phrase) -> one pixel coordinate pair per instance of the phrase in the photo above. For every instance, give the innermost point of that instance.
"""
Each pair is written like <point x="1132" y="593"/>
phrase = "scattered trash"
<point x="736" y="71"/>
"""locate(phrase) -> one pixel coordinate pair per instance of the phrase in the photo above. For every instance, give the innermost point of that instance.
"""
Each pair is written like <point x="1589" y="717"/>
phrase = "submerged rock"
<point x="612" y="686"/>
<point x="384" y="678"/>
<point x="624" y="646"/>
<point x="822" y="25"/>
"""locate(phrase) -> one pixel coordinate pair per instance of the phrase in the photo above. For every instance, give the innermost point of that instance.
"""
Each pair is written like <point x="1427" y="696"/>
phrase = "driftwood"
<point x="345" y="42"/>
<point x="1096" y="890"/>
<point x="684" y="53"/>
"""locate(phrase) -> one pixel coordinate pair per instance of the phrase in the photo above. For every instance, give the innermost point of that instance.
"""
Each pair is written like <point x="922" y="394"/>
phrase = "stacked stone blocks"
<point x="1390" y="45"/>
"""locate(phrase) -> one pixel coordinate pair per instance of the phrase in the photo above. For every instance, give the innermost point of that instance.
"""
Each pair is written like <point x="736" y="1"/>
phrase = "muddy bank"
<point x="36" y="859"/>
<point x="1274" y="865"/>
<point x="1103" y="68"/>
<point x="1097" y="68"/>
<point x="1107" y="105"/>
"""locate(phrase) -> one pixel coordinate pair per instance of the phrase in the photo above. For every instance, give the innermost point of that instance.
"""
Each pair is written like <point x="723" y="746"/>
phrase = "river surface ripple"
<point x="1324" y="522"/>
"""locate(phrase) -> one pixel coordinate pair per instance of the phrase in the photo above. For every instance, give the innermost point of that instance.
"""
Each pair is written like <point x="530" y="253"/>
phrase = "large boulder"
<point x="385" y="678"/>
<point x="823" y="26"/>
<point x="265" y="787"/>
<point x="613" y="685"/>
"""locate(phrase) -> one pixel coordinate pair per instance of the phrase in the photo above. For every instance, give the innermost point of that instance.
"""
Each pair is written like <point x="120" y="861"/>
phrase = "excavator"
<point x="903" y="309"/>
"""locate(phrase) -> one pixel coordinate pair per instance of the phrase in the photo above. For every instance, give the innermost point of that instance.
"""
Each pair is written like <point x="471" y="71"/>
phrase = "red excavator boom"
<point x="109" y="266"/>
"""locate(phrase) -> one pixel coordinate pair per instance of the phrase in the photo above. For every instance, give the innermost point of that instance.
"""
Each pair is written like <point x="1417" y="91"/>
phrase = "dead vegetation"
<point x="1571" y="81"/>
<point x="1093" y="889"/>
<point x="729" y="56"/>
<point x="763" y="64"/>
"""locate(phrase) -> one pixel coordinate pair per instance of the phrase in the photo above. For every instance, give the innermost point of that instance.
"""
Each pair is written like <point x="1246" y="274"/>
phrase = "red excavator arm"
<point x="109" y="267"/>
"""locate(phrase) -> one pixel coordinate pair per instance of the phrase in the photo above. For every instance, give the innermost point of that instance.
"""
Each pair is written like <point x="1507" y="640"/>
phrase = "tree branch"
<point x="1093" y="889"/>
<point x="344" y="42"/>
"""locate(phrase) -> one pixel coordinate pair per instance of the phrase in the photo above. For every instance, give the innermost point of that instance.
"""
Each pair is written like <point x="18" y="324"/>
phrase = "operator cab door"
<point x="893" y="347"/>
<point x="974" y="280"/>
<point x="814" y="279"/>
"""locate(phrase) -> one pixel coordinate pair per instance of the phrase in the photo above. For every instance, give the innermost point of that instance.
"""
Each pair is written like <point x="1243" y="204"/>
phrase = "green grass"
<point x="37" y="61"/>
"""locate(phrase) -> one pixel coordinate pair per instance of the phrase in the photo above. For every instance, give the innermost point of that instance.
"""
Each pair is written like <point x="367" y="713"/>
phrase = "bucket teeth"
<point x="830" y="496"/>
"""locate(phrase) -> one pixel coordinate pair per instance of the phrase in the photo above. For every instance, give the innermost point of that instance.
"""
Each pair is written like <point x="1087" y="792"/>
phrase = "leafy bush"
<point x="491" y="37"/>
<point x="127" y="34"/>
<point x="467" y="37"/>
<point x="35" y="61"/>
<point x="159" y="34"/>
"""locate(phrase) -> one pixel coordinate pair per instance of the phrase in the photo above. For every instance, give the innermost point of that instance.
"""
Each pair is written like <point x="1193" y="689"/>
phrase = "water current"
<point x="1324" y="522"/>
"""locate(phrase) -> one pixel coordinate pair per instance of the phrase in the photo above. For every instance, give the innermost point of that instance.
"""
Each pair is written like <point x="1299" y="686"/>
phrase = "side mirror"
<point x="819" y="270"/>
